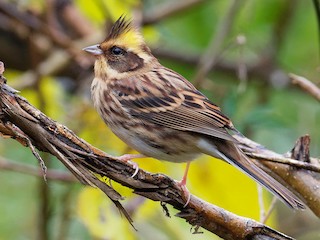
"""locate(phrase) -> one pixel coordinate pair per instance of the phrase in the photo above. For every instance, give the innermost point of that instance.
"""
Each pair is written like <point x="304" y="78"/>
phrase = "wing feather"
<point x="168" y="99"/>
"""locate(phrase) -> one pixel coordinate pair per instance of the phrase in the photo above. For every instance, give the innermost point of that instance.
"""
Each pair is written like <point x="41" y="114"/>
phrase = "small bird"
<point x="160" y="114"/>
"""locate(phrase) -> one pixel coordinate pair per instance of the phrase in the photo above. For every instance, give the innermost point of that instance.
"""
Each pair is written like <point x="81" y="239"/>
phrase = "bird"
<point x="160" y="114"/>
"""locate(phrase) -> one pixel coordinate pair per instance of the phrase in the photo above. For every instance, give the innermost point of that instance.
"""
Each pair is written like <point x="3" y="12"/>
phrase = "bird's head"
<point x="123" y="51"/>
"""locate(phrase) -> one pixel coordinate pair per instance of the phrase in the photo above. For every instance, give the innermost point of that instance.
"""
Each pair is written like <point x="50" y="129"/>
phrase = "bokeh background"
<point x="252" y="46"/>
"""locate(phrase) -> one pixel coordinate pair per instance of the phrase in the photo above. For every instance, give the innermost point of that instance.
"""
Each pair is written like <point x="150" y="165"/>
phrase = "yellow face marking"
<point x="130" y="39"/>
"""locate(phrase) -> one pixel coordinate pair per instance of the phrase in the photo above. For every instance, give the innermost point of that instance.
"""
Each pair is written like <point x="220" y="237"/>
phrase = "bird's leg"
<point x="183" y="184"/>
<point x="128" y="158"/>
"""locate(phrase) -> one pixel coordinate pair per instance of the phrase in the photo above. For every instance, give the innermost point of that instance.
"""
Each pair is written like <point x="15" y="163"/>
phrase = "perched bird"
<point x="160" y="114"/>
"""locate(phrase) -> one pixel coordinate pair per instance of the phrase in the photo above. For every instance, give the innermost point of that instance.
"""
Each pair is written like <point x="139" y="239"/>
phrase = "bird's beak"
<point x="94" y="49"/>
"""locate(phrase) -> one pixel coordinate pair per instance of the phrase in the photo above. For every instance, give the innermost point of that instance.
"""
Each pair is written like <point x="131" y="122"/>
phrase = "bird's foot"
<point x="128" y="157"/>
<point x="185" y="191"/>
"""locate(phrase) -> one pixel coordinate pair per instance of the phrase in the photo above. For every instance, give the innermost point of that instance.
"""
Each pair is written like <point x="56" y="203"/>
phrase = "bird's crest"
<point x="124" y="34"/>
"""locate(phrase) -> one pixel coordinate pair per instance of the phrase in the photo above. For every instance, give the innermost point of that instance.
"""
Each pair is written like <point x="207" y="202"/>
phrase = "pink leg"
<point x="128" y="158"/>
<point x="183" y="186"/>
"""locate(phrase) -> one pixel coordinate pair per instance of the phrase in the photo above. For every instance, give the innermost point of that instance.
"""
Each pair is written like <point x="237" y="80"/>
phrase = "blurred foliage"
<point x="270" y="112"/>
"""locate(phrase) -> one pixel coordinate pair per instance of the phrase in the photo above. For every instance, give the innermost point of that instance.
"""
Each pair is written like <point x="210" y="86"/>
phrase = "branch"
<point x="167" y="9"/>
<point x="306" y="85"/>
<point x="302" y="177"/>
<point x="208" y="60"/>
<point x="18" y="116"/>
<point x="27" y="169"/>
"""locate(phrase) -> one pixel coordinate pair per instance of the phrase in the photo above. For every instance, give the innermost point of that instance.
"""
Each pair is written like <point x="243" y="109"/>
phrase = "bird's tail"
<point x="229" y="152"/>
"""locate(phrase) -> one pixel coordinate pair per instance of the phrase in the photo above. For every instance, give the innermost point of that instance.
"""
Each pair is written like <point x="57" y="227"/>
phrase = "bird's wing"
<point x="167" y="99"/>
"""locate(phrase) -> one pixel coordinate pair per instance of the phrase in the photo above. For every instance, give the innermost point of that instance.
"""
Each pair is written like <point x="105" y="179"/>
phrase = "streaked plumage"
<point x="159" y="113"/>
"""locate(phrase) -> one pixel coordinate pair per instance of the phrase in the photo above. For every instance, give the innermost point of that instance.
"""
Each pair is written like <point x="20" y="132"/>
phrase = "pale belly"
<point x="176" y="152"/>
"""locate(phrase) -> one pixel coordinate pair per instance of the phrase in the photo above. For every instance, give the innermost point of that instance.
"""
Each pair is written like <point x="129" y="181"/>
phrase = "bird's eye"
<point x="117" y="51"/>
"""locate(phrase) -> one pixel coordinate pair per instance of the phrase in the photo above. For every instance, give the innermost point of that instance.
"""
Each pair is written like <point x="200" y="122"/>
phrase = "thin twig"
<point x="167" y="9"/>
<point x="56" y="175"/>
<point x="257" y="151"/>
<point x="271" y="208"/>
<point x="19" y="134"/>
<point x="284" y="160"/>
<point x="306" y="85"/>
<point x="212" y="52"/>
<point x="261" y="203"/>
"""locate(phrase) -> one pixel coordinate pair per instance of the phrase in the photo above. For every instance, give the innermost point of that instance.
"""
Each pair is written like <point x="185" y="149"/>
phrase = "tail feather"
<point x="229" y="152"/>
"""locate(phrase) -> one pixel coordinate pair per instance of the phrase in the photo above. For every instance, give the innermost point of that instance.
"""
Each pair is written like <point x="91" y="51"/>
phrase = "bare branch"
<point x="306" y="85"/>
<point x="168" y="9"/>
<point x="210" y="56"/>
<point x="285" y="160"/>
<point x="271" y="208"/>
<point x="86" y="161"/>
<point x="57" y="175"/>
<point x="301" y="176"/>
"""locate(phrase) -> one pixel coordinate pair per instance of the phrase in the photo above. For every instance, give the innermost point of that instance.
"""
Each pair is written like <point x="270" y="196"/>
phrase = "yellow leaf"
<point x="117" y="8"/>
<point x="52" y="96"/>
<point x="100" y="216"/>
<point x="91" y="10"/>
<point x="151" y="35"/>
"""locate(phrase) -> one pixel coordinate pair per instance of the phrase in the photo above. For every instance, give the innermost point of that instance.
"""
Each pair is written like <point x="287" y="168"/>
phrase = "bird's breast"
<point x="146" y="137"/>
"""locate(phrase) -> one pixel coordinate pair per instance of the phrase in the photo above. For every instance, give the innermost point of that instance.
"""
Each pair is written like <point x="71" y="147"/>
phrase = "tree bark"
<point x="29" y="126"/>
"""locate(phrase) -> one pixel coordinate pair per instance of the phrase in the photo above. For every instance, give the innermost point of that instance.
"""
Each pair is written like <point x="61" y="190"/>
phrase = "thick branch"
<point x="22" y="121"/>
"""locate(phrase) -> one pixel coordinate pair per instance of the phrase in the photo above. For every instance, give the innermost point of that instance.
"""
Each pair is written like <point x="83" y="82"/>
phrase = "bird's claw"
<point x="127" y="158"/>
<point x="186" y="192"/>
<point x="136" y="167"/>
